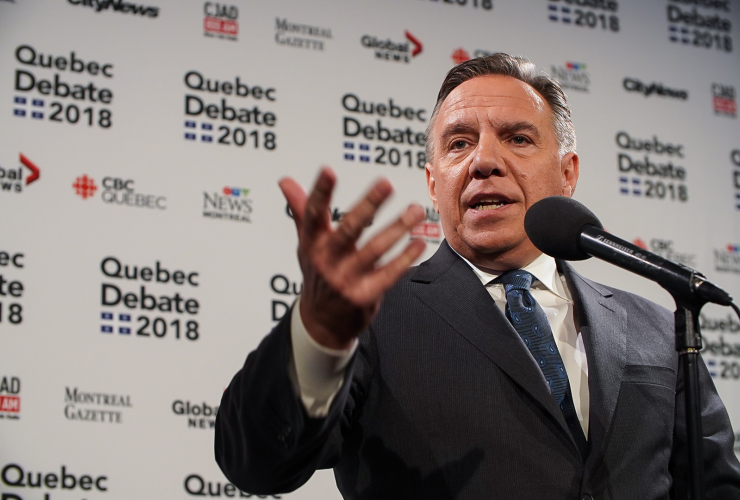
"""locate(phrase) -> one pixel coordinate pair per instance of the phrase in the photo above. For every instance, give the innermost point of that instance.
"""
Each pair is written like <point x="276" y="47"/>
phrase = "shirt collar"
<point x="543" y="268"/>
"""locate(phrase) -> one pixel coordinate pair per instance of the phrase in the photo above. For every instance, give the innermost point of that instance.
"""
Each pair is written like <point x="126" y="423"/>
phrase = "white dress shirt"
<point x="318" y="372"/>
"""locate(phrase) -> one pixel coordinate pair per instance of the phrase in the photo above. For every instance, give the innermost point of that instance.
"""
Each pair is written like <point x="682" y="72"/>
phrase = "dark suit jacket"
<point x="443" y="400"/>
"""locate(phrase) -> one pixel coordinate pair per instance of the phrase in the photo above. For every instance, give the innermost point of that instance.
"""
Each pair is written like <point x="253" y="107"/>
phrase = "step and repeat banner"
<point x="145" y="248"/>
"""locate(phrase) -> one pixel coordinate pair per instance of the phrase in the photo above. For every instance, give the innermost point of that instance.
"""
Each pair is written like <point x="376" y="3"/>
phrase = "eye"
<point x="458" y="144"/>
<point x="520" y="140"/>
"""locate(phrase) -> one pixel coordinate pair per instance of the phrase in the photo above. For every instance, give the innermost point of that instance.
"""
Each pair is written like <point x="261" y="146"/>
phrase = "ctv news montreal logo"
<point x="231" y="203"/>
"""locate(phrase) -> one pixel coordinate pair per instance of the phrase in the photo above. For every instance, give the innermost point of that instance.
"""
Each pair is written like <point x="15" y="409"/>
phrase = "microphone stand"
<point x="688" y="345"/>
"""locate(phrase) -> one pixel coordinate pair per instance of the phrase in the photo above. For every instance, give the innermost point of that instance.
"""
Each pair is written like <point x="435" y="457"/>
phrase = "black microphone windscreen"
<point x="554" y="226"/>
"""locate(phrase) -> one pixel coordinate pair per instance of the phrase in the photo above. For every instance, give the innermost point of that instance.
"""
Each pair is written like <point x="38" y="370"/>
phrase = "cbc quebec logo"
<point x="646" y="168"/>
<point x="131" y="308"/>
<point x="220" y="21"/>
<point x="667" y="250"/>
<point x="383" y="133"/>
<point x="99" y="407"/>
<point x="14" y="180"/>
<point x="118" y="191"/>
<point x="300" y="36"/>
<point x="393" y="50"/>
<point x="460" y="55"/>
<point x="231" y="203"/>
<point x="236" y="119"/>
<point x="60" y="97"/>
<point x="10" y="397"/>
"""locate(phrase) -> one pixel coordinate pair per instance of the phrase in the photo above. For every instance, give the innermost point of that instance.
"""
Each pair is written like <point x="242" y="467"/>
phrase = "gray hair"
<point x="521" y="69"/>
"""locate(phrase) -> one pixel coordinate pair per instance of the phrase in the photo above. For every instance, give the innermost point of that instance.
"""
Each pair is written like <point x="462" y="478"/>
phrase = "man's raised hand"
<point x="342" y="284"/>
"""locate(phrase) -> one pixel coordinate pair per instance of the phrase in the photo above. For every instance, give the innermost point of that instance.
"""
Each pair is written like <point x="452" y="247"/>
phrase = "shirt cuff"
<point x="319" y="370"/>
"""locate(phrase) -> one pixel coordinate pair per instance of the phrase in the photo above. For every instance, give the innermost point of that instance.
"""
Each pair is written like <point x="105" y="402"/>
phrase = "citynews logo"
<point x="389" y="50"/>
<point x="12" y="180"/>
<point x="727" y="260"/>
<point x="118" y="191"/>
<point x="430" y="230"/>
<point x="220" y="20"/>
<point x="461" y="55"/>
<point x="200" y="416"/>
<point x="118" y="6"/>
<point x="95" y="406"/>
<point x="665" y="249"/>
<point x="14" y="476"/>
<point x="572" y="75"/>
<point x="300" y="36"/>
<point x="723" y="100"/>
<point x="10" y="397"/>
<point x="231" y="204"/>
<point x="635" y="85"/>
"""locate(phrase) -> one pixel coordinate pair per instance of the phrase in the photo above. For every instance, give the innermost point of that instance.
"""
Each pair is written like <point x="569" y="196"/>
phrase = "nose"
<point x="487" y="159"/>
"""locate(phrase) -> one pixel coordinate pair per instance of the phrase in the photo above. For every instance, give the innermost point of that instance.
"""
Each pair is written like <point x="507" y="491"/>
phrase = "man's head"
<point x="500" y="138"/>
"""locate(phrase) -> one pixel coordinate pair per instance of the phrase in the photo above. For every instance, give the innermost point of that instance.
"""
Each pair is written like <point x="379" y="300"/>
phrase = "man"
<point x="489" y="371"/>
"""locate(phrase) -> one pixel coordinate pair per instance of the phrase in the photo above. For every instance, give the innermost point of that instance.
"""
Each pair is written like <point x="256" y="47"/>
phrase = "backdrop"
<point x="145" y="247"/>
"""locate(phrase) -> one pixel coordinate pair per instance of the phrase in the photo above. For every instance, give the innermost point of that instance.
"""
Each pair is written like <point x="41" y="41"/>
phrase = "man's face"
<point x="495" y="155"/>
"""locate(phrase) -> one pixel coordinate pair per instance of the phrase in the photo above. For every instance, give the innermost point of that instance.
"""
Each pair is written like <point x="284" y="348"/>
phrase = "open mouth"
<point x="489" y="205"/>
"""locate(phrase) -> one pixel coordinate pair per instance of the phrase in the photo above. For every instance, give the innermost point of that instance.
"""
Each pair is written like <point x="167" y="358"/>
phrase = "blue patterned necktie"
<point x="530" y="321"/>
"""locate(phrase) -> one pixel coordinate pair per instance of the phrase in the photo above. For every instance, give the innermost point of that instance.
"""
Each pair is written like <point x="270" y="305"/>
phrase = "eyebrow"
<point x="504" y="128"/>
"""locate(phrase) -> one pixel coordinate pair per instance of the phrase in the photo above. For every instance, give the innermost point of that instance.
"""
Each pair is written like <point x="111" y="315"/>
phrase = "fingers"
<point x="386" y="276"/>
<point x="316" y="210"/>
<point x="357" y="219"/>
<point x="296" y="198"/>
<point x="383" y="241"/>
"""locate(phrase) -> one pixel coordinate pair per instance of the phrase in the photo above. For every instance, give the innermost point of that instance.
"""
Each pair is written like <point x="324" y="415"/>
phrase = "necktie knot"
<point x="515" y="280"/>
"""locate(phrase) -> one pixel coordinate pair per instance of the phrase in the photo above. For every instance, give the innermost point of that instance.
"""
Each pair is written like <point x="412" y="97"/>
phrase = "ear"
<point x="569" y="169"/>
<point x="431" y="185"/>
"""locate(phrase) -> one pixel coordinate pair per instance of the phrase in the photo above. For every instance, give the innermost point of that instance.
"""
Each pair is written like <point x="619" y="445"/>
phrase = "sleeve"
<point x="265" y="441"/>
<point x="317" y="371"/>
<point x="721" y="467"/>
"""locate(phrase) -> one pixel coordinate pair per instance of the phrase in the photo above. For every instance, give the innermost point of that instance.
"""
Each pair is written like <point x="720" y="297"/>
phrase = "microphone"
<point x="565" y="229"/>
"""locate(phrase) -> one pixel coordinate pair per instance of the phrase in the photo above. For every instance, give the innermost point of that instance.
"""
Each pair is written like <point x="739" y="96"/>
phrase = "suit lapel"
<point x="601" y="320"/>
<point x="454" y="292"/>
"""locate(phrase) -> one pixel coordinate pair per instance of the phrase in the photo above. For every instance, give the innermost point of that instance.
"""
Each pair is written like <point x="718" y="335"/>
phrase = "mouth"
<point x="488" y="202"/>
